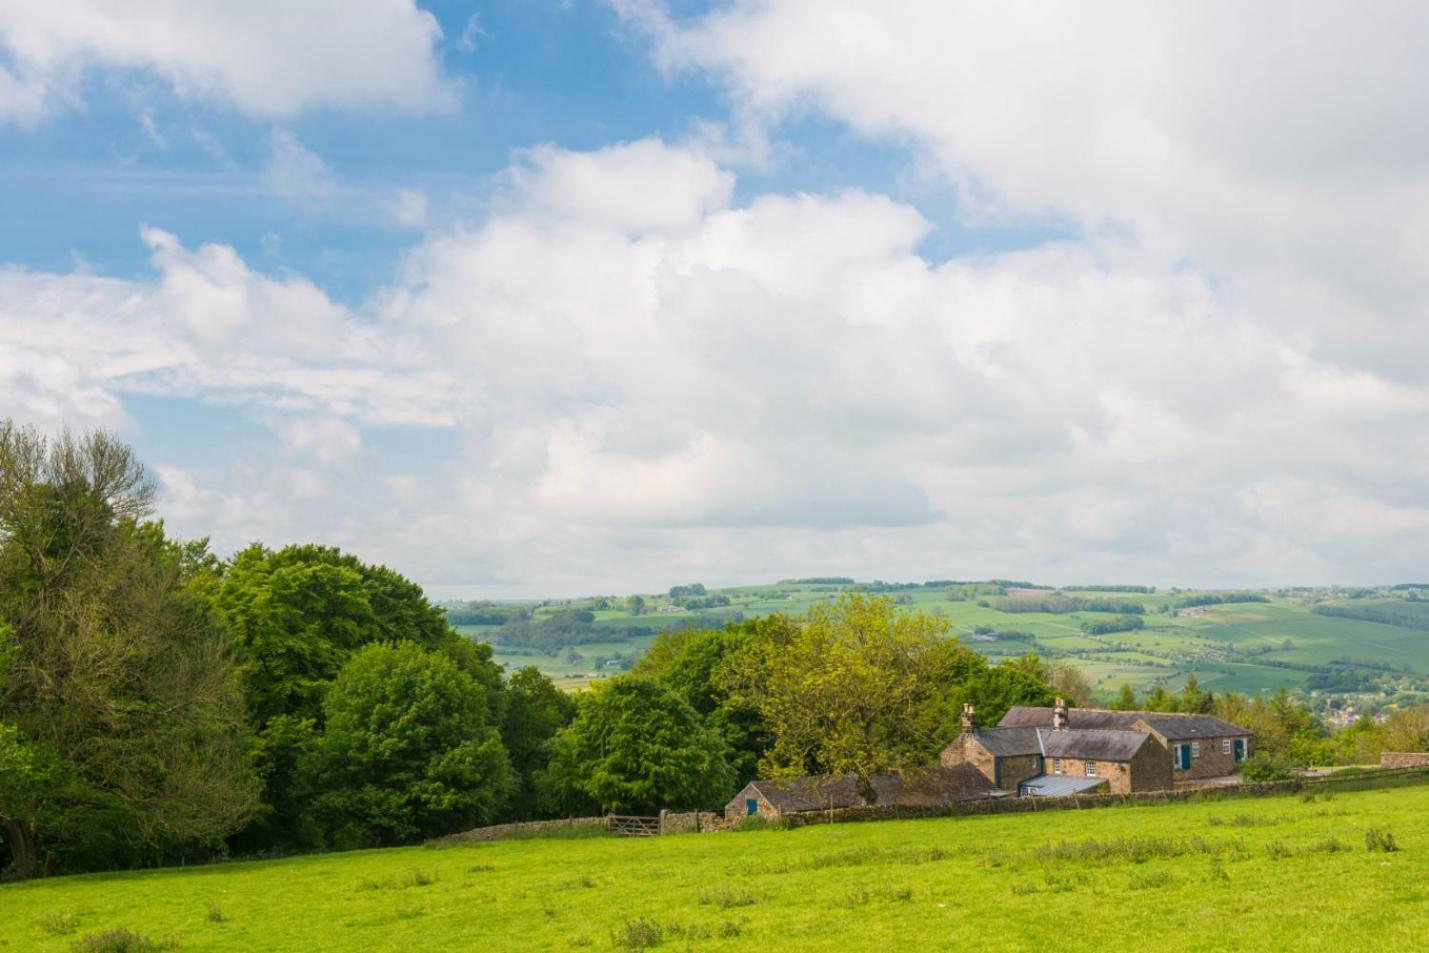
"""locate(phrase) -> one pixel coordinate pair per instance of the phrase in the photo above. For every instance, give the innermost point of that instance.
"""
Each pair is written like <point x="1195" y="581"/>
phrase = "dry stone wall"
<point x="1404" y="759"/>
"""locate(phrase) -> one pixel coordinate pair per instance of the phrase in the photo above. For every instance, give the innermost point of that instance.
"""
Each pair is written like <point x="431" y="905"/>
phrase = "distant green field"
<point x="1276" y="873"/>
<point x="1246" y="647"/>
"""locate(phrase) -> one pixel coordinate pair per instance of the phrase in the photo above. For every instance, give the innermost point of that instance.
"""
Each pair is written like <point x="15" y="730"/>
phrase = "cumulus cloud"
<point x="1278" y="148"/>
<point x="746" y="389"/>
<point x="266" y="58"/>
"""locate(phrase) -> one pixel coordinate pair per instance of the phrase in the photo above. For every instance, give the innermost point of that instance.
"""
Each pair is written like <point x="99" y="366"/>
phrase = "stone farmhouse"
<point x="931" y="787"/>
<point x="1061" y="750"/>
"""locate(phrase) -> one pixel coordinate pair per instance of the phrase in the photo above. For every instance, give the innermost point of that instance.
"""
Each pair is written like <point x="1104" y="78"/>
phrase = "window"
<point x="1091" y="768"/>
<point x="1225" y="746"/>
<point x="1195" y="749"/>
<point x="1056" y="765"/>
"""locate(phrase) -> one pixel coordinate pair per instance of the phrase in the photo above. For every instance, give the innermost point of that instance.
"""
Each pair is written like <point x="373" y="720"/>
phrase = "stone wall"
<point x="1024" y="805"/>
<point x="1404" y="759"/>
<point x="500" y="831"/>
<point x="692" y="822"/>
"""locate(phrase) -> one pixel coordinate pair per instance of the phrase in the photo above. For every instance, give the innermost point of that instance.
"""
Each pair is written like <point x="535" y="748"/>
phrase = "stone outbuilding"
<point x="930" y="787"/>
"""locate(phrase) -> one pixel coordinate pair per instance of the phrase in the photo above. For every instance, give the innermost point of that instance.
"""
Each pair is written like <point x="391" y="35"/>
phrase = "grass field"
<point x="1277" y="873"/>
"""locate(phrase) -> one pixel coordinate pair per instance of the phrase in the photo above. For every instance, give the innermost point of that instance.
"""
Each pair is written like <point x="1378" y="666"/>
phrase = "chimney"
<point x="1059" y="715"/>
<point x="969" y="719"/>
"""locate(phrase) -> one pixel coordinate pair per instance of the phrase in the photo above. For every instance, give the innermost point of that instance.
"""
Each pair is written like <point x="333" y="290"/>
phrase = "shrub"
<point x="1264" y="766"/>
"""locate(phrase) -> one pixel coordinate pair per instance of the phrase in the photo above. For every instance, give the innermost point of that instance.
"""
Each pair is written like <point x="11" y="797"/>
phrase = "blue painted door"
<point x="1184" y="755"/>
<point x="751" y="807"/>
<point x="1240" y="749"/>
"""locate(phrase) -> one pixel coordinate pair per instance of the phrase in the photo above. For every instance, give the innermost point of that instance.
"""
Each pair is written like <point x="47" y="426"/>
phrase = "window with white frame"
<point x="1091" y="768"/>
<point x="1056" y="765"/>
<point x="1195" y="749"/>
<point x="1225" y="746"/>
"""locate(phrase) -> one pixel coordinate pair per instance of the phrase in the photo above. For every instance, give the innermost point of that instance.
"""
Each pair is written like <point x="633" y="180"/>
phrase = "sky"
<point x="541" y="298"/>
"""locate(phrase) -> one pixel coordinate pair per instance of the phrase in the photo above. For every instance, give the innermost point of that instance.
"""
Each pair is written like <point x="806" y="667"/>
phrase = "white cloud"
<point x="1280" y="148"/>
<point x="693" y="388"/>
<point x="295" y="172"/>
<point x="409" y="207"/>
<point x="266" y="58"/>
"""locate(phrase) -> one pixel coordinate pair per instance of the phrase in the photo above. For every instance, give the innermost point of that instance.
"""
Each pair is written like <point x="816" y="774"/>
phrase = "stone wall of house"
<point x="1151" y="768"/>
<point x="1114" y="773"/>
<point x="1213" y="761"/>
<point x="1006" y="772"/>
<point x="1404" y="759"/>
<point x="1014" y="769"/>
<point x="736" y="810"/>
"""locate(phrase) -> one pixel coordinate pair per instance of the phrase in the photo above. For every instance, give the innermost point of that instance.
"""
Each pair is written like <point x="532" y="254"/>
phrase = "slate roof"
<point x="1173" y="727"/>
<point x="1094" y="744"/>
<point x="1003" y="742"/>
<point x="929" y="787"/>
<point x="1051" y="785"/>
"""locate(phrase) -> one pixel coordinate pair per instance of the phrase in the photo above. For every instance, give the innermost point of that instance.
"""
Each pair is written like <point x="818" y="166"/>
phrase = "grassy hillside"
<point x="1246" y="647"/>
<point x="1237" y="874"/>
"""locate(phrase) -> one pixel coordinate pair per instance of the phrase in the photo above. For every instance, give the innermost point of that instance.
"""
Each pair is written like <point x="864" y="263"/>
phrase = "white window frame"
<point x="1226" y="746"/>
<point x="1056" y="765"/>
<point x="1195" y="750"/>
<point x="1090" y="768"/>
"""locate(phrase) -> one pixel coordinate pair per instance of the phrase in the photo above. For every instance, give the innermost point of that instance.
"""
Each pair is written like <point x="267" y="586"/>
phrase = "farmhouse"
<point x="931" y="787"/>
<point x="1199" y="746"/>
<point x="1053" y="751"/>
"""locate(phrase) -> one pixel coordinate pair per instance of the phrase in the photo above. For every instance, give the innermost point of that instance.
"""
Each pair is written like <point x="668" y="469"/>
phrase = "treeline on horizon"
<point x="160" y="705"/>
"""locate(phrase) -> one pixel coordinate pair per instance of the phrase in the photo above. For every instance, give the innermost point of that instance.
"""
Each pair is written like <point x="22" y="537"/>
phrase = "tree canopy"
<point x="410" y="749"/>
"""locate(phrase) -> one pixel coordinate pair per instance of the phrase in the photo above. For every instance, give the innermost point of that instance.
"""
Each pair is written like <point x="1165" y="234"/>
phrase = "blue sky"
<point x="558" y="298"/>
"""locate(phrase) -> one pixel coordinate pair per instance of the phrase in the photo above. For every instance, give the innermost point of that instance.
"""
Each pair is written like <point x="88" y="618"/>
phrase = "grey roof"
<point x="1168" y="725"/>
<point x="1096" y="744"/>
<point x="927" y="787"/>
<point x="1007" y="742"/>
<point x="1051" y="785"/>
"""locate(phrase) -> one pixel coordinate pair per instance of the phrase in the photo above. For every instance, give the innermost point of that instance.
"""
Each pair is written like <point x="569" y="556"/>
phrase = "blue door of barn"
<point x="1240" y="749"/>
<point x="751" y="807"/>
<point x="1183" y="757"/>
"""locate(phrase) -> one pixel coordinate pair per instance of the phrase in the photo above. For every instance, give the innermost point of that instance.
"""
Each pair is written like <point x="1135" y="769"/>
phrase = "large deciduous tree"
<point x="636" y="747"/>
<point x="299" y="614"/>
<point x="535" y="710"/>
<point x="410" y="749"/>
<point x="120" y="699"/>
<point x="857" y="687"/>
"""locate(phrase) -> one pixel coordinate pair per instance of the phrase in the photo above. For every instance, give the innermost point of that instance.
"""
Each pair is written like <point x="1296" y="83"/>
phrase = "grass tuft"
<point x="1378" y="840"/>
<point x="120" y="940"/>
<point x="58" y="924"/>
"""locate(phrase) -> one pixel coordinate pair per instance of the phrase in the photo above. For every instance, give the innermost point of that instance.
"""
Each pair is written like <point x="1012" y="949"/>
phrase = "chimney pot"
<point x="969" y="719"/>
<point x="1059" y="715"/>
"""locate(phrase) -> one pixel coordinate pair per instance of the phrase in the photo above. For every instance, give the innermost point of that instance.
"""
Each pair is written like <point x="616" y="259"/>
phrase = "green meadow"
<point x="1246" y="647"/>
<point x="1290" y="872"/>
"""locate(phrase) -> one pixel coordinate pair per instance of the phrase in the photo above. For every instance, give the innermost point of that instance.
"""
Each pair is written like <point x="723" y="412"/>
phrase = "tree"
<point x="856" y="687"/>
<point x="693" y="663"/>
<point x="120" y="695"/>
<point x="1125" y="698"/>
<point x="634" y="748"/>
<point x="535" y="710"/>
<point x="410" y="750"/>
<point x="635" y="604"/>
<point x="299" y="614"/>
<point x="1193" y="700"/>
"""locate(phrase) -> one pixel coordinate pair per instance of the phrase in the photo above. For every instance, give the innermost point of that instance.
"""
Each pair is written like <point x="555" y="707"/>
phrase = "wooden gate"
<point x="630" y="826"/>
